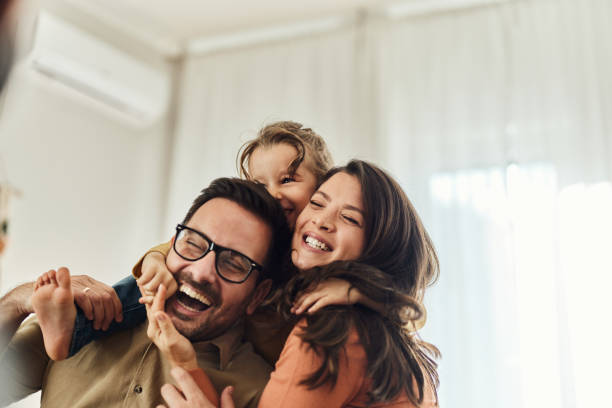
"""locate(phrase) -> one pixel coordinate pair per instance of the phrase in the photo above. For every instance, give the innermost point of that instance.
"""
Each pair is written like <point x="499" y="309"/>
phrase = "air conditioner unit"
<point x="97" y="70"/>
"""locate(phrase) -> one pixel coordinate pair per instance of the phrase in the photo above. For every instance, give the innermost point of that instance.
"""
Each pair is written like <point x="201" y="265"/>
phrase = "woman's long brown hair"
<point x="397" y="264"/>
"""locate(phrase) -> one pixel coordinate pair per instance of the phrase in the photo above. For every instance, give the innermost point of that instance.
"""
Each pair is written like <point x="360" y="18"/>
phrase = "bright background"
<point x="495" y="116"/>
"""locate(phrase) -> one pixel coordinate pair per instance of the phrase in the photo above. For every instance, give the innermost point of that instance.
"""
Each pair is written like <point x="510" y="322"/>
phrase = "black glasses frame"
<point x="217" y="249"/>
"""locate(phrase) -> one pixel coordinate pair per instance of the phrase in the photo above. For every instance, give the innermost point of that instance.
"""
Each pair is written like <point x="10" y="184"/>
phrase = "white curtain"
<point x="497" y="121"/>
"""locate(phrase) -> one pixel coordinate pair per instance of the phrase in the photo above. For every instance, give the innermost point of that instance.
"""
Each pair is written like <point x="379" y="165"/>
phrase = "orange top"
<point x="297" y="361"/>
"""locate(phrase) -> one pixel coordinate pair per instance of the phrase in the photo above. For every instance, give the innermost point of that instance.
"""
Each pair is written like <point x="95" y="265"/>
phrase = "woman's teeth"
<point x="315" y="243"/>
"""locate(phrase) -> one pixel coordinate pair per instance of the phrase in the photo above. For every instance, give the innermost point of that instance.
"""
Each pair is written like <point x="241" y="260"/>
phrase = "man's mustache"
<point x="202" y="287"/>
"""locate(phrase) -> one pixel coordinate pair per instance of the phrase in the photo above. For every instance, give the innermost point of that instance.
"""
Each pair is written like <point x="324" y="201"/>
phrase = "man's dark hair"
<point x="254" y="198"/>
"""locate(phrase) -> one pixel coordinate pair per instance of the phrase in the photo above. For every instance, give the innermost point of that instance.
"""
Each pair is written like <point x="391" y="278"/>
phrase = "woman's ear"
<point x="260" y="293"/>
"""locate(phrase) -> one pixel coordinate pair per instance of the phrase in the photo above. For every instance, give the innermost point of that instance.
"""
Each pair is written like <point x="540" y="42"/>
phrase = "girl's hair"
<point x="397" y="263"/>
<point x="309" y="145"/>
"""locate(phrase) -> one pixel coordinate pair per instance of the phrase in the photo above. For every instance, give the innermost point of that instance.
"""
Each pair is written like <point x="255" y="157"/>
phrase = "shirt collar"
<point x="226" y="344"/>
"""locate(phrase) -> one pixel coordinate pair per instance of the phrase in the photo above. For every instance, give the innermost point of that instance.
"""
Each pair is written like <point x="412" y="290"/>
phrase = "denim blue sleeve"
<point x="133" y="314"/>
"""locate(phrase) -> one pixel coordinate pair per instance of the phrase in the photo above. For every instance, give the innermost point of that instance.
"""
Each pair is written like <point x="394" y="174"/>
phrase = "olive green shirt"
<point x="124" y="369"/>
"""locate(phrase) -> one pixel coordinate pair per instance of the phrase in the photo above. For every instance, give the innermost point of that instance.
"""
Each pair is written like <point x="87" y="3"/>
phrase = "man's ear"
<point x="260" y="293"/>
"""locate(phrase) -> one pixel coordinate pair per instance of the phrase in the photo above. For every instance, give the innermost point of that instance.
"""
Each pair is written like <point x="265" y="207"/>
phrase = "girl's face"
<point x="270" y="167"/>
<point x="331" y="227"/>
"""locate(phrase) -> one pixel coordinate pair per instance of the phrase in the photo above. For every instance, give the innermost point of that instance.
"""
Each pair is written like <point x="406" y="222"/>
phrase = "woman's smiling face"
<point x="332" y="226"/>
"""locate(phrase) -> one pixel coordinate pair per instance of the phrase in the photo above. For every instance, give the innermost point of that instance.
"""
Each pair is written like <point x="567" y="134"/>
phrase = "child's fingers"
<point x="173" y="397"/>
<point x="168" y="331"/>
<point x="171" y="285"/>
<point x="153" y="283"/>
<point x="153" y="331"/>
<point x="146" y="274"/>
<point x="226" y="397"/>
<point x="193" y="393"/>
<point x="146" y="300"/>
<point x="159" y="299"/>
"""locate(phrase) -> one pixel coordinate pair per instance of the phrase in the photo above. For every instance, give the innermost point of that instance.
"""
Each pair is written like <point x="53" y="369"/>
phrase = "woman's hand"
<point x="329" y="292"/>
<point x="187" y="394"/>
<point x="176" y="348"/>
<point x="154" y="272"/>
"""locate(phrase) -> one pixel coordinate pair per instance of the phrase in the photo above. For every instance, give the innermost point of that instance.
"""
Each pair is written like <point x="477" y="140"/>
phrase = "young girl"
<point x="290" y="161"/>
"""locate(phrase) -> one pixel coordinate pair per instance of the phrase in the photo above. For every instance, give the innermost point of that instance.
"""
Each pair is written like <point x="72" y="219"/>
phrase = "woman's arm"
<point x="333" y="291"/>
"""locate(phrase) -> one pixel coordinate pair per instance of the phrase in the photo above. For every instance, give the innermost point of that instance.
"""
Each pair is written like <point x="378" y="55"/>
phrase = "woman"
<point x="359" y="227"/>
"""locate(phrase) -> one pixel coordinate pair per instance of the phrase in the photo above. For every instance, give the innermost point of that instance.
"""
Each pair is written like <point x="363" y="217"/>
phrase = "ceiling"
<point x="185" y="20"/>
<point x="173" y="27"/>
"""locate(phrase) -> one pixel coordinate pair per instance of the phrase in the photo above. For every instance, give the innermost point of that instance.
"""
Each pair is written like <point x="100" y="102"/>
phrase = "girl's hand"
<point x="187" y="394"/>
<point x="329" y="292"/>
<point x="154" y="272"/>
<point x="176" y="348"/>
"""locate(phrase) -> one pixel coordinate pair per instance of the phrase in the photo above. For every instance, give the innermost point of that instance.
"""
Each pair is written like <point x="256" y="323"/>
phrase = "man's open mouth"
<point x="192" y="300"/>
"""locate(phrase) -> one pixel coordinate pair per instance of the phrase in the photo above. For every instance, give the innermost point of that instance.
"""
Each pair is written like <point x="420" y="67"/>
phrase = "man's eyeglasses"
<point x="231" y="265"/>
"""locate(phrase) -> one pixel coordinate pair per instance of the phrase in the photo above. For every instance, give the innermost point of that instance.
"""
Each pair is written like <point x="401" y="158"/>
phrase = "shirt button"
<point x="138" y="389"/>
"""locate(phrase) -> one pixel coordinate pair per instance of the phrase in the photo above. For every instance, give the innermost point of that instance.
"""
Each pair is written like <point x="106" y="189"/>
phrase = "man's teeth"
<point x="195" y="295"/>
<point x="315" y="243"/>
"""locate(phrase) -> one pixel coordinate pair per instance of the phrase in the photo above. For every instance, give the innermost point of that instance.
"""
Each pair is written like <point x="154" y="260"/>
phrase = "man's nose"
<point x="204" y="269"/>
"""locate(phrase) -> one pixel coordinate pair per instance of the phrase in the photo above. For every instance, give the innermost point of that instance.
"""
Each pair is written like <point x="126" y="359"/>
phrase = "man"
<point x="226" y="256"/>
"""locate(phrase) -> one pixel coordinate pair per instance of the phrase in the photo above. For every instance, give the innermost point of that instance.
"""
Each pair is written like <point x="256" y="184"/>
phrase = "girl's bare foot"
<point x="54" y="306"/>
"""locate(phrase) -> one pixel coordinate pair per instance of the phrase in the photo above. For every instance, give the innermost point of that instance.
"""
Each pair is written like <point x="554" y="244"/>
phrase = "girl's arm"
<point x="151" y="270"/>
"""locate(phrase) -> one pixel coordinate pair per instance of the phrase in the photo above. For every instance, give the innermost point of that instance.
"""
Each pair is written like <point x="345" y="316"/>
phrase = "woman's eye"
<point x="286" y="180"/>
<point x="351" y="220"/>
<point x="316" y="203"/>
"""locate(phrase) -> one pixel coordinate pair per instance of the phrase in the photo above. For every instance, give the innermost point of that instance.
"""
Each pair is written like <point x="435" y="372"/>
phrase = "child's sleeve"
<point x="163" y="249"/>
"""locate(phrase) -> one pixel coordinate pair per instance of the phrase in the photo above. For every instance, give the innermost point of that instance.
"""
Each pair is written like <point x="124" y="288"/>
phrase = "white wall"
<point x="90" y="183"/>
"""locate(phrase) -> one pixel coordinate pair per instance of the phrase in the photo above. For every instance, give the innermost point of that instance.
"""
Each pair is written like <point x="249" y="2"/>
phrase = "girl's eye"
<point x="286" y="180"/>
